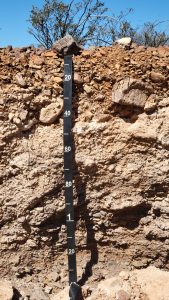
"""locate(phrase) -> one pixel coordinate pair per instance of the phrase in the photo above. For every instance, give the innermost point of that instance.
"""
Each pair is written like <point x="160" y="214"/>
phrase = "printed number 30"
<point x="68" y="183"/>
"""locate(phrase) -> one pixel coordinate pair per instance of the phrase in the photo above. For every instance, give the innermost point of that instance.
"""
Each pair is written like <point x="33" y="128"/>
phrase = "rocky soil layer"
<point x="145" y="284"/>
<point x="121" y="163"/>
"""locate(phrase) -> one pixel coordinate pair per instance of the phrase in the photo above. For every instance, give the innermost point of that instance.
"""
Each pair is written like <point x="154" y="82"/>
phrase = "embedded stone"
<point x="20" y="80"/>
<point x="126" y="41"/>
<point x="58" y="80"/>
<point x="123" y="295"/>
<point x="164" y="102"/>
<point x="77" y="78"/>
<point x="67" y="45"/>
<point x="6" y="290"/>
<point x="157" y="77"/>
<point x="50" y="113"/>
<point x="23" y="114"/>
<point x="61" y="295"/>
<point x="87" y="89"/>
<point x="35" y="59"/>
<point x="151" y="103"/>
<point x="129" y="92"/>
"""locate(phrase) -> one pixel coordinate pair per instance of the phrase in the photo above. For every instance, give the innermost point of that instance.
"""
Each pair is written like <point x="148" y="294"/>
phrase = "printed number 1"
<point x="69" y="217"/>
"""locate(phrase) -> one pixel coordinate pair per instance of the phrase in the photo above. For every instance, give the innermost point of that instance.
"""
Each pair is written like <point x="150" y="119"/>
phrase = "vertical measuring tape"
<point x="68" y="176"/>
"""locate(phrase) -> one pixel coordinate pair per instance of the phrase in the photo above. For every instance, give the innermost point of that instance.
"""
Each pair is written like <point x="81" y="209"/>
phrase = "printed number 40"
<point x="67" y="113"/>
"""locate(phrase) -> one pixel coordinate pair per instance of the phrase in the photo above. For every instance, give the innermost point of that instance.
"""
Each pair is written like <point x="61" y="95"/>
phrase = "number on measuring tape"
<point x="67" y="149"/>
<point x="69" y="217"/>
<point x="71" y="251"/>
<point x="68" y="77"/>
<point x="67" y="113"/>
<point x="68" y="183"/>
<point x="68" y="170"/>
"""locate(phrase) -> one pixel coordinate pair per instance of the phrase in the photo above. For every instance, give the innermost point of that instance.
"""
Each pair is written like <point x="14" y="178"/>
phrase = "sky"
<point x="14" y="15"/>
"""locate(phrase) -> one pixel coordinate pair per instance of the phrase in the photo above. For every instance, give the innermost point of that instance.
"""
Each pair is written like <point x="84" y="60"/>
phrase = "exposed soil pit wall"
<point x="121" y="163"/>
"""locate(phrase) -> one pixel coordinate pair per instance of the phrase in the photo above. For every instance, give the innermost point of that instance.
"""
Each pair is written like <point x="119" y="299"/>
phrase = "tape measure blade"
<point x="68" y="169"/>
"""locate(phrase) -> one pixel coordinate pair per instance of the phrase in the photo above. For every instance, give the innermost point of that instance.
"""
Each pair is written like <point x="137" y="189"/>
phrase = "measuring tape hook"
<point x="74" y="291"/>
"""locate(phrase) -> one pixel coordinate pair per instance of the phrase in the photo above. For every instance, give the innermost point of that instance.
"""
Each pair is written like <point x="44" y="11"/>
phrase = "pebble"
<point x="157" y="77"/>
<point x="87" y="89"/>
<point x="20" y="80"/>
<point x="50" y="113"/>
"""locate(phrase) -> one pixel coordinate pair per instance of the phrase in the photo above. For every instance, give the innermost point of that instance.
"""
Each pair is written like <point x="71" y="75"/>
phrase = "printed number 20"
<point x="67" y="77"/>
<point x="71" y="251"/>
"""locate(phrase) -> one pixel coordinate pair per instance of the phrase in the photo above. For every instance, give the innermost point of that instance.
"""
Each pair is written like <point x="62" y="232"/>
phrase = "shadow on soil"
<point x="17" y="295"/>
<point x="82" y="210"/>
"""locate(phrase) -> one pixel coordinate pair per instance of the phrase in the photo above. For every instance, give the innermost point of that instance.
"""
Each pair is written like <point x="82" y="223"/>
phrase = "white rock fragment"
<point x="17" y="121"/>
<point x="140" y="129"/>
<point x="6" y="290"/>
<point x="157" y="77"/>
<point x="23" y="114"/>
<point x="126" y="41"/>
<point x="30" y="243"/>
<point x="11" y="116"/>
<point x="2" y="101"/>
<point x="50" y="113"/>
<point x="21" y="161"/>
<point x="151" y="282"/>
<point x="87" y="89"/>
<point x="20" y="80"/>
<point x="164" y="102"/>
<point x="151" y="103"/>
<point x="67" y="45"/>
<point x="129" y="92"/>
<point x="154" y="283"/>
<point x="89" y="163"/>
<point x="77" y="78"/>
<point x="61" y="295"/>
